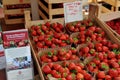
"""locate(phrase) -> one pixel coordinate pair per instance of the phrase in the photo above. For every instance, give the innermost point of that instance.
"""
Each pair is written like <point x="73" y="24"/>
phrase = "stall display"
<point x="66" y="44"/>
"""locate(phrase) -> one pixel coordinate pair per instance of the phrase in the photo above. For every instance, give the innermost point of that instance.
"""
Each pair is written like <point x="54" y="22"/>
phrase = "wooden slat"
<point x="43" y="7"/>
<point x="42" y="14"/>
<point x="15" y="11"/>
<point x="57" y="11"/>
<point x="14" y="21"/>
<point x="9" y="2"/>
<point x="115" y="3"/>
<point x="104" y="9"/>
<point x="58" y="1"/>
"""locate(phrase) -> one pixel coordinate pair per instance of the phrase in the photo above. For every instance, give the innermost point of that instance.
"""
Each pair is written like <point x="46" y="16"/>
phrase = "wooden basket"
<point x="108" y="17"/>
<point x="29" y="23"/>
<point x="15" y="15"/>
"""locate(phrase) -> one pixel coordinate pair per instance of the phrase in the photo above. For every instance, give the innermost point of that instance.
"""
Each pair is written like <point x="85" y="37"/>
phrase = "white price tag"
<point x="73" y="11"/>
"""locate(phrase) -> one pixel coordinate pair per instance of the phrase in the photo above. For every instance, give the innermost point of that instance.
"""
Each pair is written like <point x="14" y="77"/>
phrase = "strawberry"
<point x="82" y="28"/>
<point x="108" y="77"/>
<point x="55" y="58"/>
<point x="114" y="46"/>
<point x="101" y="75"/>
<point x="87" y="76"/>
<point x="69" y="77"/>
<point x="44" y="28"/>
<point x="79" y="76"/>
<point x="111" y="55"/>
<point x="41" y="38"/>
<point x="34" y="33"/>
<point x="115" y="65"/>
<point x="71" y="66"/>
<point x="47" y="24"/>
<point x="78" y="69"/>
<point x="56" y="66"/>
<point x="71" y="28"/>
<point x="105" y="48"/>
<point x="113" y="73"/>
<point x="85" y="49"/>
<point x="46" y="69"/>
<point x="39" y="45"/>
<point x="100" y="56"/>
<point x="50" y="65"/>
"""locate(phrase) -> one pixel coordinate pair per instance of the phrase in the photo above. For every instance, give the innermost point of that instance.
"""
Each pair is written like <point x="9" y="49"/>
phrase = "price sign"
<point x="73" y="11"/>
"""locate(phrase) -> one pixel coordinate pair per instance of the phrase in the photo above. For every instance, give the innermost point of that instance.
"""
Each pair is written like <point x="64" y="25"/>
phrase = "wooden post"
<point x="34" y="9"/>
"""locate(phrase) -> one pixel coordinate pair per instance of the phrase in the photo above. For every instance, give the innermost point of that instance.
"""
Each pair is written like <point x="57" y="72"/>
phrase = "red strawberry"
<point x="101" y="74"/>
<point x="63" y="37"/>
<point x="50" y="65"/>
<point x="34" y="33"/>
<point x="105" y="48"/>
<point x="113" y="73"/>
<point x="44" y="28"/>
<point x="71" y="66"/>
<point x="87" y="76"/>
<point x="47" y="24"/>
<point x="37" y="27"/>
<point x="111" y="55"/>
<point x="41" y="37"/>
<point x="56" y="66"/>
<point x="39" y="45"/>
<point x="69" y="77"/>
<point x="115" y="46"/>
<point x="79" y="76"/>
<point x="78" y="69"/>
<point x="100" y="56"/>
<point x="115" y="65"/>
<point x="108" y="77"/>
<point x="46" y="69"/>
<point x="82" y="28"/>
<point x="71" y="28"/>
<point x="85" y="49"/>
<point x="61" y="70"/>
<point x="55" y="58"/>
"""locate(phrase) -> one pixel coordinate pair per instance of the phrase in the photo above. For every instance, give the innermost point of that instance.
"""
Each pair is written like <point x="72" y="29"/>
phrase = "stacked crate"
<point x="110" y="5"/>
<point x="14" y="10"/>
<point x="114" y="3"/>
<point x="51" y="9"/>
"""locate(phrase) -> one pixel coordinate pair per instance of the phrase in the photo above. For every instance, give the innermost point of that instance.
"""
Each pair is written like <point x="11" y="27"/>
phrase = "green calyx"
<point x="50" y="38"/>
<point x="75" y="39"/>
<point x="116" y="51"/>
<point x="105" y="67"/>
<point x="93" y="64"/>
<point x="90" y="24"/>
<point x="74" y="71"/>
<point x="92" y="51"/>
<point x="50" y="54"/>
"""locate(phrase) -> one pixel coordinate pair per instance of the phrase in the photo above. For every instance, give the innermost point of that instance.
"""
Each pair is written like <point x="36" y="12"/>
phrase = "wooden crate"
<point x="114" y="3"/>
<point x="51" y="9"/>
<point x="15" y="15"/>
<point x="29" y="23"/>
<point x="108" y="17"/>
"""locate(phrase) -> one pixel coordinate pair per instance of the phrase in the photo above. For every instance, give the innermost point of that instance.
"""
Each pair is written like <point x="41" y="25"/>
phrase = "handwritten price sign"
<point x="73" y="11"/>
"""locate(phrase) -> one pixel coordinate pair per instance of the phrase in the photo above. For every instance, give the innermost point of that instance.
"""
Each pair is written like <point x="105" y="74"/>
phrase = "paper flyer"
<point x="18" y="55"/>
